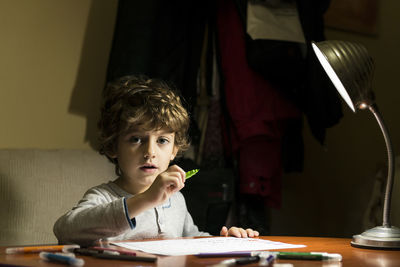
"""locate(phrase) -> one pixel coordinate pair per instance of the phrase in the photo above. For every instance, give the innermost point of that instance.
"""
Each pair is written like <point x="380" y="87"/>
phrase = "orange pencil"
<point x="32" y="249"/>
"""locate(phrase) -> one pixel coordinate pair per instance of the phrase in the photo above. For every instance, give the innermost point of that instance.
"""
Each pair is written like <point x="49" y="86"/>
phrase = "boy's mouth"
<point x="148" y="167"/>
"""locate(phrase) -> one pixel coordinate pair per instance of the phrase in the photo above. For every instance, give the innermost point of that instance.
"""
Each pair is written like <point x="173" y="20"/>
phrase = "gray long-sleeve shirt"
<point x="102" y="215"/>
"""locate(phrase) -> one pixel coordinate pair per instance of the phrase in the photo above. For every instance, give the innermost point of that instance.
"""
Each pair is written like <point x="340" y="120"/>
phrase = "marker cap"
<point x="61" y="258"/>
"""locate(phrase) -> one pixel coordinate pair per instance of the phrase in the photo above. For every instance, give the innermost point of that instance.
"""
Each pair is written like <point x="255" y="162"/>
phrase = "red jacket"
<point x="257" y="111"/>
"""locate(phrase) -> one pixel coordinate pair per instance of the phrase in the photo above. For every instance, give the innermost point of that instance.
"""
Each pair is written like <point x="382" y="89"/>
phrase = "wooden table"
<point x="351" y="256"/>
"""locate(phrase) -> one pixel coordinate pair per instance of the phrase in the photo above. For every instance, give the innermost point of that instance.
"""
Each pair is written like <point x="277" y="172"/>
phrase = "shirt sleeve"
<point x="132" y="222"/>
<point x="97" y="215"/>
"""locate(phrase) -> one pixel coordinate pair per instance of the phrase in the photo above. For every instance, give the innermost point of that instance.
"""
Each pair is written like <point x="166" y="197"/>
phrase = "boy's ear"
<point x="174" y="152"/>
<point x="112" y="155"/>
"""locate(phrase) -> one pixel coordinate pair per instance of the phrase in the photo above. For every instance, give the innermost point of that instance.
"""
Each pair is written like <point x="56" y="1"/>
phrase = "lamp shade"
<point x="350" y="69"/>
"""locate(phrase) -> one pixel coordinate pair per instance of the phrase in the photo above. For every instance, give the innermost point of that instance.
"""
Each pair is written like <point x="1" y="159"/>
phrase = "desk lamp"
<point x="350" y="69"/>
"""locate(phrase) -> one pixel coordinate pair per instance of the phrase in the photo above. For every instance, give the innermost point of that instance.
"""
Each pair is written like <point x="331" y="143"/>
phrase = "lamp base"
<point x="379" y="237"/>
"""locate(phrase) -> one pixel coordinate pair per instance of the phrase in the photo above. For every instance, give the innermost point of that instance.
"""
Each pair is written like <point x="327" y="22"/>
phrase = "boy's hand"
<point x="238" y="232"/>
<point x="166" y="183"/>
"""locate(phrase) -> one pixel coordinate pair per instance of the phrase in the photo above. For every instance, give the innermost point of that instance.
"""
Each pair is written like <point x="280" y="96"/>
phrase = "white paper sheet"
<point x="178" y="247"/>
<point x="277" y="22"/>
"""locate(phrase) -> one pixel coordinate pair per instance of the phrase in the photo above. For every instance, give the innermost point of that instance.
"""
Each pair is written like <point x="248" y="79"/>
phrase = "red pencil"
<point x="114" y="249"/>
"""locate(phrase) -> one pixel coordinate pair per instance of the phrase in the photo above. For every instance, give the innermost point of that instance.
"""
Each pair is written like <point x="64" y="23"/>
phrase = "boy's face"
<point x="142" y="155"/>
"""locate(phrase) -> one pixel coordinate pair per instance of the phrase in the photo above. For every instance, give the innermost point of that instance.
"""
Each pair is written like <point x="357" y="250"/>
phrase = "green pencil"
<point x="191" y="173"/>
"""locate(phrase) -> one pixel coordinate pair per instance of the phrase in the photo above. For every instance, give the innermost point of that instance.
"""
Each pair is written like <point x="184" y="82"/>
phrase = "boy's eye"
<point x="134" y="140"/>
<point x="163" y="140"/>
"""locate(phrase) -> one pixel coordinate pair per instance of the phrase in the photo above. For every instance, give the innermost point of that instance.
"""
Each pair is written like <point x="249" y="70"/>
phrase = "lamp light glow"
<point x="332" y="75"/>
<point x="350" y="68"/>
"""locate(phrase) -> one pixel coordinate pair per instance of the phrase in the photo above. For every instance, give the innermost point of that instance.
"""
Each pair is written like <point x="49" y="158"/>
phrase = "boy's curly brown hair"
<point x="138" y="101"/>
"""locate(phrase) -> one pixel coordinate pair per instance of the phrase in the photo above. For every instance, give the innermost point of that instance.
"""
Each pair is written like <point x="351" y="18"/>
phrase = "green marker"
<point x="191" y="173"/>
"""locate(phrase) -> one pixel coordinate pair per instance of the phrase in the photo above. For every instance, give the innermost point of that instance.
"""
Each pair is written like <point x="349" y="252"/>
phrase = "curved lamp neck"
<point x="390" y="176"/>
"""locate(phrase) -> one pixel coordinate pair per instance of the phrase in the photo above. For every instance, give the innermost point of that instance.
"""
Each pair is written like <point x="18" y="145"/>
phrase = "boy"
<point x="143" y="126"/>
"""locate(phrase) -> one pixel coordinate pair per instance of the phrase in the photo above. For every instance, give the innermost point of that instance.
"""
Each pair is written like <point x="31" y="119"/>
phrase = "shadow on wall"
<point x="91" y="74"/>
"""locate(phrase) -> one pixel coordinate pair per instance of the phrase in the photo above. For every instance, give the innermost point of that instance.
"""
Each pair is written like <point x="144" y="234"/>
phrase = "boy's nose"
<point x="149" y="151"/>
<point x="149" y="155"/>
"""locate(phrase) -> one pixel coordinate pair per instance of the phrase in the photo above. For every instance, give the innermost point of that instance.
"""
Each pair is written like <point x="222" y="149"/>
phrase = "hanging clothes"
<point x="294" y="70"/>
<point x="161" y="39"/>
<point x="257" y="111"/>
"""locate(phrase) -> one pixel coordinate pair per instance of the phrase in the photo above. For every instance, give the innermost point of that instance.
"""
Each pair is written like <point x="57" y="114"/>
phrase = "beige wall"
<point x="53" y="55"/>
<point x="331" y="196"/>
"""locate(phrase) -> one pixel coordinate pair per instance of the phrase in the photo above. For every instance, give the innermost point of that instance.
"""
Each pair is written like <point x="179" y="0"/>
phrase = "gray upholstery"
<point x="38" y="186"/>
